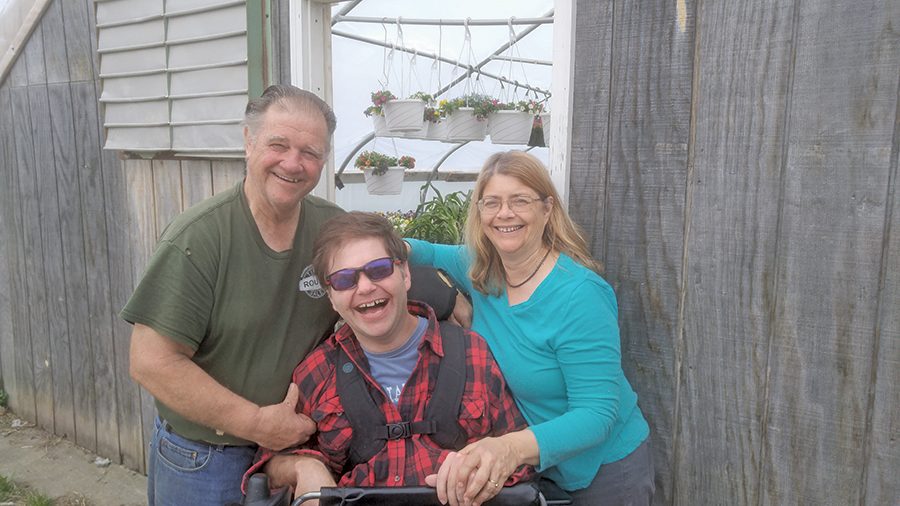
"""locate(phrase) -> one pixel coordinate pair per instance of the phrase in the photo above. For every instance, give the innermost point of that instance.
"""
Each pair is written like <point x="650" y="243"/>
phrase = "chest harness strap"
<point x="370" y="428"/>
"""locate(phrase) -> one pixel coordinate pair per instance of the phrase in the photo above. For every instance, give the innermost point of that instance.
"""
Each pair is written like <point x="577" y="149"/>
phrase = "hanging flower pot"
<point x="389" y="183"/>
<point x="462" y="125"/>
<point x="380" y="124"/>
<point x="437" y="131"/>
<point x="510" y="127"/>
<point x="383" y="173"/>
<point x="421" y="133"/>
<point x="404" y="115"/>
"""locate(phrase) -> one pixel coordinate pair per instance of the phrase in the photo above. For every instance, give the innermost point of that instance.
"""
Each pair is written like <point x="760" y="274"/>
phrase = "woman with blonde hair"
<point x="552" y="324"/>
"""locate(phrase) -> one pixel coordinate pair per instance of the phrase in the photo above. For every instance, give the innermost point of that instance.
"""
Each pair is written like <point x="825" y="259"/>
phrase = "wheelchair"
<point x="531" y="493"/>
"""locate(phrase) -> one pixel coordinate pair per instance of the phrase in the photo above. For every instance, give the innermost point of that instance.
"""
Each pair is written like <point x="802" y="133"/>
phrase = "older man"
<point x="229" y="305"/>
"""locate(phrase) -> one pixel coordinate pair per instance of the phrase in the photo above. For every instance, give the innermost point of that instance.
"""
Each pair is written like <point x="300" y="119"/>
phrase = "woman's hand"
<point x="462" y="312"/>
<point x="477" y="473"/>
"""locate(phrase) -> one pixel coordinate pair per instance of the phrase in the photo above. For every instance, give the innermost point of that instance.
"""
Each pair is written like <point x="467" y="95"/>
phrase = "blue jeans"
<point x="182" y="471"/>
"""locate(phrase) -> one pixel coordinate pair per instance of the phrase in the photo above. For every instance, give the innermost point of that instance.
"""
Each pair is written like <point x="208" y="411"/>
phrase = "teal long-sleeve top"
<point x="561" y="356"/>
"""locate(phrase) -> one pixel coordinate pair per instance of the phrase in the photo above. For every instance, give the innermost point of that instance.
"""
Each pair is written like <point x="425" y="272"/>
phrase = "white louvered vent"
<point x="174" y="74"/>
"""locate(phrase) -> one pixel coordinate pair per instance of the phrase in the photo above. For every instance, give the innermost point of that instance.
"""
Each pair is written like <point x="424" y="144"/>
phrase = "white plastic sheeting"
<point x="174" y="74"/>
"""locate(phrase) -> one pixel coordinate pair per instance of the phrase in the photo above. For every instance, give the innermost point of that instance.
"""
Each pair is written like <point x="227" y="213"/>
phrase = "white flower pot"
<point x="464" y="126"/>
<point x="421" y="133"/>
<point x="404" y="115"/>
<point x="389" y="183"/>
<point x="510" y="127"/>
<point x="438" y="131"/>
<point x="545" y="121"/>
<point x="380" y="126"/>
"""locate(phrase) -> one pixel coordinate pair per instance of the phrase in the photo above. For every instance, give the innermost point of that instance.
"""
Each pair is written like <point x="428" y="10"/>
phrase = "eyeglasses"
<point x="516" y="204"/>
<point x="375" y="270"/>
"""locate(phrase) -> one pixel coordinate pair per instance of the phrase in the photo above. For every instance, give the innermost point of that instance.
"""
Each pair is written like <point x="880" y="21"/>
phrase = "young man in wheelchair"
<point x="393" y="392"/>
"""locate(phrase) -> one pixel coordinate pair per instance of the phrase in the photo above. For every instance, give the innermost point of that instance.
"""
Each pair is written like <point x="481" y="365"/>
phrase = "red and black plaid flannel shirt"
<point x="487" y="409"/>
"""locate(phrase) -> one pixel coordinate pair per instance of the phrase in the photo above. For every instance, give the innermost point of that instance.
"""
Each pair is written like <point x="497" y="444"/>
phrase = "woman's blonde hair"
<point x="560" y="233"/>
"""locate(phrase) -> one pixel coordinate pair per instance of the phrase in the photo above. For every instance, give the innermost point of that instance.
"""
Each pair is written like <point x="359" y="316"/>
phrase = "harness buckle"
<point x="398" y="430"/>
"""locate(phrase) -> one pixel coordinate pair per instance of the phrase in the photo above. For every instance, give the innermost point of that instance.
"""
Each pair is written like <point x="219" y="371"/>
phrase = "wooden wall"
<point x="77" y="225"/>
<point x="735" y="166"/>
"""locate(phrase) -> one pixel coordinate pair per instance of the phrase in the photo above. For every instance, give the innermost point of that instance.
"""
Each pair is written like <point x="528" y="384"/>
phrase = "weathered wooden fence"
<point x="77" y="225"/>
<point x="734" y="163"/>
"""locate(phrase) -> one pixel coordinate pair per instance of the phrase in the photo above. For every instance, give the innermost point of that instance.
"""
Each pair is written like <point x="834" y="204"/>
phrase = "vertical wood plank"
<point x="29" y="198"/>
<point x="100" y="257"/>
<point x="54" y="40"/>
<point x="33" y="55"/>
<point x="78" y="35"/>
<point x="590" y="120"/>
<point x="13" y="107"/>
<point x="8" y="241"/>
<point x="53" y="311"/>
<point x="143" y="235"/>
<point x="91" y="7"/>
<point x="744" y="56"/>
<point x="830" y="245"/>
<point x="227" y="173"/>
<point x="18" y="74"/>
<point x="167" y="192"/>
<point x="77" y="296"/>
<point x="881" y="484"/>
<point x="196" y="180"/>
<point x="651" y="79"/>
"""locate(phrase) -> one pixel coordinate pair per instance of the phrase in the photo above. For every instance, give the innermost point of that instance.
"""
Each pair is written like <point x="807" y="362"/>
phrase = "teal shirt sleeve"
<point x="452" y="259"/>
<point x="589" y="356"/>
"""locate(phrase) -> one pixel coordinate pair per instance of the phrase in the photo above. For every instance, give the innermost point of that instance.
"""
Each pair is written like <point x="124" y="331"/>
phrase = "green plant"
<point x="37" y="499"/>
<point x="440" y="220"/>
<point x="424" y="97"/>
<point x="8" y="490"/>
<point x="379" y="98"/>
<point x="483" y="105"/>
<point x="13" y="493"/>
<point x="4" y="398"/>
<point x="447" y="107"/>
<point x="378" y="163"/>
<point x="530" y="106"/>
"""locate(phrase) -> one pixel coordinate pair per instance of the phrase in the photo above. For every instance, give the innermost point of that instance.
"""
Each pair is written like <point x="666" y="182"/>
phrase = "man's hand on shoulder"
<point x="279" y="426"/>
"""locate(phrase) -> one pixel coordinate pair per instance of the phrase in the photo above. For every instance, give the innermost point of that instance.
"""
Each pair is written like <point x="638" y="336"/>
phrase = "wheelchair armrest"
<point x="522" y="494"/>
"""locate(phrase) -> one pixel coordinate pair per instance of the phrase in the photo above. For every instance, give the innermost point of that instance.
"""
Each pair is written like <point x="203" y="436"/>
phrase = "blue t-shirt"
<point x="561" y="356"/>
<point x="391" y="369"/>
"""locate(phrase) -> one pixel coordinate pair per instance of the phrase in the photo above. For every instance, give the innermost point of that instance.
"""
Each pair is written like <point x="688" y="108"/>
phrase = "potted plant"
<point x="406" y="115"/>
<point x="376" y="111"/>
<point x="512" y="122"/>
<point x="435" y="123"/>
<point x="440" y="220"/>
<point x="428" y="117"/>
<point x="467" y="117"/>
<point x="384" y="173"/>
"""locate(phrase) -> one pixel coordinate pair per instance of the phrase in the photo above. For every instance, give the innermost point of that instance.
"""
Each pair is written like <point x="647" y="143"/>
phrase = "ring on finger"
<point x="496" y="484"/>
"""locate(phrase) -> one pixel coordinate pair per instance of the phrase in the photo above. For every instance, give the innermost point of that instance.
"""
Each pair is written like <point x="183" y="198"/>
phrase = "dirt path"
<point x="57" y="468"/>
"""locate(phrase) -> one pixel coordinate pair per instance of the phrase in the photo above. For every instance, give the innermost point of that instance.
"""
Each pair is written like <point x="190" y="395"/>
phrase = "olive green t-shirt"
<point x="251" y="314"/>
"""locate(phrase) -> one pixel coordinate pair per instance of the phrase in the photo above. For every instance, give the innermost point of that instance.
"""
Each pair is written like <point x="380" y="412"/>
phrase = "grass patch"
<point x="12" y="492"/>
<point x="9" y="491"/>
